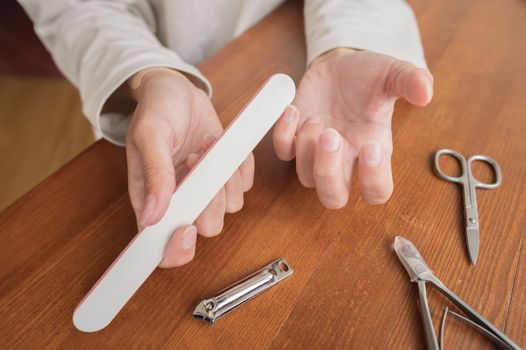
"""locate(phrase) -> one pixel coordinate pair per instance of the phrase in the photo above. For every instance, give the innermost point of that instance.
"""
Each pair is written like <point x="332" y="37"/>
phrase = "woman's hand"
<point x="342" y="115"/>
<point x="173" y="125"/>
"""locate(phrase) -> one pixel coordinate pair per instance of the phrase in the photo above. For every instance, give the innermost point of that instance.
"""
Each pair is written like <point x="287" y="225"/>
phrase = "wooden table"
<point x="348" y="289"/>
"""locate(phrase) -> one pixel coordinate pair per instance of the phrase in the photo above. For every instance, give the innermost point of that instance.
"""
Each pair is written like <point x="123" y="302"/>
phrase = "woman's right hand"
<point x="172" y="126"/>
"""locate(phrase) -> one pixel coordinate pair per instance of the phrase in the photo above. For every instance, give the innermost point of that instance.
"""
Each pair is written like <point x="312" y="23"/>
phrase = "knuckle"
<point x="139" y="129"/>
<point x="285" y="155"/>
<point x="280" y="137"/>
<point x="153" y="173"/>
<point x="145" y="126"/>
<point x="306" y="180"/>
<point x="326" y="174"/>
<point x="334" y="203"/>
<point x="132" y="135"/>
<point x="135" y="178"/>
<point x="248" y="183"/>
<point x="282" y="144"/>
<point x="210" y="229"/>
<point x="378" y="197"/>
<point x="310" y="129"/>
<point x="235" y="205"/>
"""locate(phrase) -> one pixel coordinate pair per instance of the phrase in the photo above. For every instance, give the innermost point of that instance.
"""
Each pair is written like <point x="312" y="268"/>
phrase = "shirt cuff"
<point x="388" y="28"/>
<point x="114" y="126"/>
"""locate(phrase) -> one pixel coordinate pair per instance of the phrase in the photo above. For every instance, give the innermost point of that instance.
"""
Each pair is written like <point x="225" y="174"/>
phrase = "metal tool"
<point x="469" y="184"/>
<point x="209" y="310"/>
<point x="421" y="273"/>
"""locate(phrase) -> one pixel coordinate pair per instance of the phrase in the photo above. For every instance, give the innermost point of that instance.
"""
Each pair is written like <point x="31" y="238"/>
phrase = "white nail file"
<point x="196" y="190"/>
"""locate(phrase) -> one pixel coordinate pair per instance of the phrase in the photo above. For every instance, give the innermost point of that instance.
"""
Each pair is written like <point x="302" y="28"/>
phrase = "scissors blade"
<point x="473" y="237"/>
<point x="410" y="258"/>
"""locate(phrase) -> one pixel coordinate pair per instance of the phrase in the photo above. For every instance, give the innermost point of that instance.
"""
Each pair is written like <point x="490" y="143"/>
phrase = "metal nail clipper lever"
<point x="209" y="310"/>
<point x="420" y="273"/>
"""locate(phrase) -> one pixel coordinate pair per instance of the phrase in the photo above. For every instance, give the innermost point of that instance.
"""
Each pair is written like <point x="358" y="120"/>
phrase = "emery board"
<point x="142" y="255"/>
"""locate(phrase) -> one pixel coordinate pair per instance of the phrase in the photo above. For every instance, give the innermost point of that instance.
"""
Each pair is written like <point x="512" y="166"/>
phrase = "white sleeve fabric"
<point x="98" y="45"/>
<point x="384" y="26"/>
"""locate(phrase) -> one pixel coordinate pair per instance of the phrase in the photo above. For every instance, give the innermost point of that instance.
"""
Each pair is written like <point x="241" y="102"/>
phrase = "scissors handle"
<point x="466" y="175"/>
<point x="463" y="166"/>
<point x="496" y="171"/>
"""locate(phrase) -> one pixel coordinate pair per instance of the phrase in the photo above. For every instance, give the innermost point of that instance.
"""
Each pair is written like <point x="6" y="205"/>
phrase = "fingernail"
<point x="314" y="120"/>
<point x="189" y="237"/>
<point x="429" y="91"/>
<point x="372" y="154"/>
<point x="289" y="115"/>
<point x="149" y="206"/>
<point x="330" y="140"/>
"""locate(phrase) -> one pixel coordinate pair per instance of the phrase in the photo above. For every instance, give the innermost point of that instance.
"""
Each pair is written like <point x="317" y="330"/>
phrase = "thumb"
<point x="159" y="178"/>
<point x="410" y="82"/>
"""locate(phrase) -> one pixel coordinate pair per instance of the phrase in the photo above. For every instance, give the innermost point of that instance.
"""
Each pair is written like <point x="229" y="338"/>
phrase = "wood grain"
<point x="348" y="289"/>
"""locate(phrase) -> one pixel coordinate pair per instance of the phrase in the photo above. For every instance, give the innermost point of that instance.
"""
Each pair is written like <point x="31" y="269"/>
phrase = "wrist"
<point x="338" y="51"/>
<point x="162" y="75"/>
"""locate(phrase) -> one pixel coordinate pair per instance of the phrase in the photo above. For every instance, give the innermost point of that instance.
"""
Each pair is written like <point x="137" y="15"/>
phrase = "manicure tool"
<point x="469" y="184"/>
<point x="209" y="310"/>
<point x="421" y="273"/>
<point x="142" y="255"/>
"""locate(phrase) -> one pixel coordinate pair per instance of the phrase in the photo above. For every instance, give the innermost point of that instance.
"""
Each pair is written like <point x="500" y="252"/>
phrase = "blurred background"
<point x="41" y="123"/>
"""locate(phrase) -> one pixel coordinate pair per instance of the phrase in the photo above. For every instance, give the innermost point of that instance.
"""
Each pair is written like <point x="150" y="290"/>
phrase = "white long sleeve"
<point x="383" y="26"/>
<point x="98" y="45"/>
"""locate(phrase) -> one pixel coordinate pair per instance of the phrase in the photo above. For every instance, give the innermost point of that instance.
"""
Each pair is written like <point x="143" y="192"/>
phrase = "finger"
<point x="233" y="187"/>
<point x="158" y="175"/>
<point x="135" y="182"/>
<point x="180" y="249"/>
<point x="192" y="160"/>
<point x="328" y="171"/>
<point x="306" y="141"/>
<point x="410" y="82"/>
<point x="234" y="193"/>
<point x="246" y="169"/>
<point x="208" y="141"/>
<point x="284" y="131"/>
<point x="210" y="221"/>
<point x="376" y="182"/>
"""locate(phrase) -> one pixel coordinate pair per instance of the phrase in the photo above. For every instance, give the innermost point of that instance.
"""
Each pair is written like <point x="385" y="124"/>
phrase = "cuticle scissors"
<point x="469" y="184"/>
